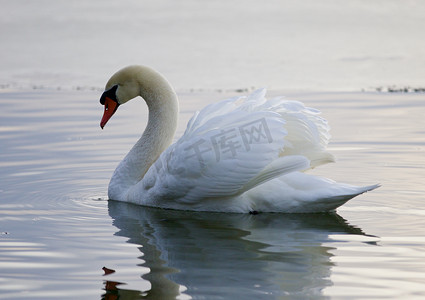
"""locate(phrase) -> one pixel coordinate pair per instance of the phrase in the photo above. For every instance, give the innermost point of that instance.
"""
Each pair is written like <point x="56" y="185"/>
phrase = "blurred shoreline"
<point x="220" y="45"/>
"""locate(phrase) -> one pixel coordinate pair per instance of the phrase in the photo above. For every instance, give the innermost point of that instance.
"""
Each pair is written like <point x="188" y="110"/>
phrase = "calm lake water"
<point x="58" y="231"/>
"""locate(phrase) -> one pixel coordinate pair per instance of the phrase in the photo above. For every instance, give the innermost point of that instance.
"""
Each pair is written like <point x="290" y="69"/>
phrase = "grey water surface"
<point x="58" y="231"/>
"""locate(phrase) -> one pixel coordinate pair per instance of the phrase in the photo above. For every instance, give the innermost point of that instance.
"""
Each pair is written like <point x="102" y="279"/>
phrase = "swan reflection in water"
<point x="216" y="255"/>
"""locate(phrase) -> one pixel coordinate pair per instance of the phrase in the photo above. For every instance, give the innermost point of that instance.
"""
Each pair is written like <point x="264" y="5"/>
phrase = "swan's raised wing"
<point x="308" y="132"/>
<point x="230" y="147"/>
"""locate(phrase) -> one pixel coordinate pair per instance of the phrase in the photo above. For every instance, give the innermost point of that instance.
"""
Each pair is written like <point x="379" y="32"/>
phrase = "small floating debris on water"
<point x="94" y="198"/>
<point x="395" y="89"/>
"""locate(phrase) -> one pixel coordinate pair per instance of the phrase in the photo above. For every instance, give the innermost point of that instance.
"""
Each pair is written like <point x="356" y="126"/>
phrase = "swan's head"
<point x="133" y="81"/>
<point x="120" y="88"/>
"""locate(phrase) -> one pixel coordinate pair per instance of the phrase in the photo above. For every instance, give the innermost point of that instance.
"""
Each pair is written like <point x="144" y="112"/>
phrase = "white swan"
<point x="242" y="154"/>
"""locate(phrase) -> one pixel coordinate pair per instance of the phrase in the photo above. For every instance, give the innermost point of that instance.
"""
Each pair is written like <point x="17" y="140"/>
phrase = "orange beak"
<point x="110" y="108"/>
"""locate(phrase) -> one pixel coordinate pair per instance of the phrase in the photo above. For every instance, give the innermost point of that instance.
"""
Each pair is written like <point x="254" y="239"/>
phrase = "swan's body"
<point x="239" y="155"/>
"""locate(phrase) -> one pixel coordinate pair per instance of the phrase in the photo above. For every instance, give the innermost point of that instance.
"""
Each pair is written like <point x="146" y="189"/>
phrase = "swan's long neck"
<point x="158" y="135"/>
<point x="159" y="132"/>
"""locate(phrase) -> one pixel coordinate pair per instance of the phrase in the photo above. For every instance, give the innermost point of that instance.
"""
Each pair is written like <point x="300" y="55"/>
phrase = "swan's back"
<point x="306" y="133"/>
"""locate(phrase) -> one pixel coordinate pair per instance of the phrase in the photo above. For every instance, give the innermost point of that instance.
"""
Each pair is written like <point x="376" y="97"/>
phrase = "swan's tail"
<point x="368" y="188"/>
<point x="333" y="202"/>
<point x="298" y="192"/>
